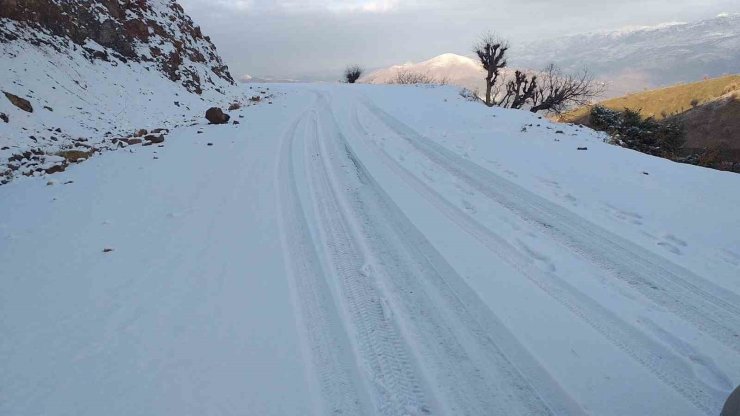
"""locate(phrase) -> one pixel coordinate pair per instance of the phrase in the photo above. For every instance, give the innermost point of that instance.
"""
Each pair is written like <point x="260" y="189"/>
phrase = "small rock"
<point x="4" y="117"/>
<point x="131" y="141"/>
<point x="50" y="183"/>
<point x="236" y="122"/>
<point x="47" y="108"/>
<point x="141" y="133"/>
<point x="210" y="144"/>
<point x="583" y="148"/>
<point x="107" y="250"/>
<point x="559" y="132"/>
<point x="152" y="138"/>
<point x="55" y="169"/>
<point x="19" y="102"/>
<point x="645" y="173"/>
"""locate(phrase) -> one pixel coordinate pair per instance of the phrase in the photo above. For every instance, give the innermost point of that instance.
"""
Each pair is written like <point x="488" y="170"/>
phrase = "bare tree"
<point x="352" y="74"/>
<point x="519" y="90"/>
<point x="491" y="51"/>
<point x="557" y="92"/>
<point x="406" y="77"/>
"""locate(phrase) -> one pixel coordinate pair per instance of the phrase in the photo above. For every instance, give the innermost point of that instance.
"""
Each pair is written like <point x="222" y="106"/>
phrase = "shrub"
<point x="352" y="74"/>
<point x="405" y="77"/>
<point x="470" y="95"/>
<point x="629" y="129"/>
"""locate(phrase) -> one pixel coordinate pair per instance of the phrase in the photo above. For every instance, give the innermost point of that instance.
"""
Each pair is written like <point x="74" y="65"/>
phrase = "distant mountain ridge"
<point x="636" y="58"/>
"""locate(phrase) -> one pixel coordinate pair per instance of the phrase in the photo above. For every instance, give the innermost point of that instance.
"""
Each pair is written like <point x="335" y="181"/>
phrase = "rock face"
<point x="214" y="115"/>
<point x="19" y="102"/>
<point x="155" y="31"/>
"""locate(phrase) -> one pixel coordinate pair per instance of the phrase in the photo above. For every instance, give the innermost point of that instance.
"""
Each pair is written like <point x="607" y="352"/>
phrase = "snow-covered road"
<point x="366" y="250"/>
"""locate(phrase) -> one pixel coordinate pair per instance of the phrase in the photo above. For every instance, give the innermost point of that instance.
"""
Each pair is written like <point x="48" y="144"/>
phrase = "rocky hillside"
<point x="152" y="31"/>
<point x="79" y="75"/>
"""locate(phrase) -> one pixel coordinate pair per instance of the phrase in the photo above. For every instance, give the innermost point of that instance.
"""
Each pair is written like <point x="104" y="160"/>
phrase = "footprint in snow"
<point x="730" y="257"/>
<point x="703" y="366"/>
<point x="469" y="207"/>
<point x="672" y="238"/>
<point x="538" y="257"/>
<point x="670" y="247"/>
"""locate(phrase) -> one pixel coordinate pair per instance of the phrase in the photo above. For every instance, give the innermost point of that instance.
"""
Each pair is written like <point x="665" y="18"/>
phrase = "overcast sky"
<point x="317" y="38"/>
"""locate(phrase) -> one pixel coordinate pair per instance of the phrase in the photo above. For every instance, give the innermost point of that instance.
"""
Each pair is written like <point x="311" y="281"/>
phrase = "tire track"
<point x="654" y="356"/>
<point x="711" y="309"/>
<point x="327" y="348"/>
<point x="397" y="389"/>
<point x="475" y="365"/>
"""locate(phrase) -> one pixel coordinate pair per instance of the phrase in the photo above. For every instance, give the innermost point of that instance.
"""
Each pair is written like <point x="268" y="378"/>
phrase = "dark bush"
<point x="352" y="74"/>
<point x="647" y="135"/>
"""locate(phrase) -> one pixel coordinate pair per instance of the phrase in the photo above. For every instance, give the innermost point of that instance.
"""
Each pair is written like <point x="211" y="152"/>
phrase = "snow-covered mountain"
<point x="457" y="70"/>
<point x="636" y="58"/>
<point x="94" y="70"/>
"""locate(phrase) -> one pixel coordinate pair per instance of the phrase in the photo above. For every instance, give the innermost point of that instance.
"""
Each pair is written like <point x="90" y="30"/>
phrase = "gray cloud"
<point x="317" y="38"/>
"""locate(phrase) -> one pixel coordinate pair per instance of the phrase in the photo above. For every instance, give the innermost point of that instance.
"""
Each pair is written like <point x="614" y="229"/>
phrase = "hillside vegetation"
<point x="666" y="102"/>
<point x="707" y="113"/>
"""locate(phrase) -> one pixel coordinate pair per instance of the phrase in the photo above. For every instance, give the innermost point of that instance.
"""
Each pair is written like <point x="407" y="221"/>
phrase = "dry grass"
<point x="666" y="102"/>
<point x="75" y="155"/>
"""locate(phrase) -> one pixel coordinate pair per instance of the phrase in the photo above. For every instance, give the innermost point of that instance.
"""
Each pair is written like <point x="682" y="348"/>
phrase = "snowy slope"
<point x="376" y="250"/>
<point x="164" y="75"/>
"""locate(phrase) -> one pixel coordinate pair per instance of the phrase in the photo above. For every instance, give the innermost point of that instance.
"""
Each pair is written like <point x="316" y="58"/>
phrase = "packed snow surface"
<point x="371" y="250"/>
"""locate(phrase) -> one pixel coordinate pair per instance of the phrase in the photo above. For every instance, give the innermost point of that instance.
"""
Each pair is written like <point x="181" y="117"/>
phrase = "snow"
<point x="364" y="249"/>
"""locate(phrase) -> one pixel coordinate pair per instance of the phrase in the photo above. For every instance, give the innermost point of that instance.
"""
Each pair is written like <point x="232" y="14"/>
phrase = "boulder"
<point x="141" y="133"/>
<point x="214" y="115"/>
<point x="732" y="405"/>
<point x="19" y="102"/>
